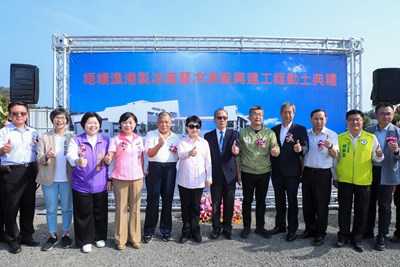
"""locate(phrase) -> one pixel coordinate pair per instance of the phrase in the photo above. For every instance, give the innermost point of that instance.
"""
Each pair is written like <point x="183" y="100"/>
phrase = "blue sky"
<point x="28" y="26"/>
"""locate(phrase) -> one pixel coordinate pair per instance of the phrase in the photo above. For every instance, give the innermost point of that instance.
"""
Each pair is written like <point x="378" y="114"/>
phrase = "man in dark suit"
<point x="223" y="154"/>
<point x="286" y="170"/>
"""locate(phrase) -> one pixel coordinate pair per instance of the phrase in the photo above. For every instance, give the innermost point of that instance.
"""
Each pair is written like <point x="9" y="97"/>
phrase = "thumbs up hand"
<point x="328" y="143"/>
<point x="193" y="152"/>
<point x="161" y="139"/>
<point x="108" y="158"/>
<point x="7" y="147"/>
<point x="378" y="151"/>
<point x="274" y="150"/>
<point x="50" y="154"/>
<point x="235" y="148"/>
<point x="297" y="147"/>
<point x="81" y="161"/>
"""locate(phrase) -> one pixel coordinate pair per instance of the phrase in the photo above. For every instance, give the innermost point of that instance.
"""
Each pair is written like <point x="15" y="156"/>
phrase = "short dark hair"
<point x="354" y="112"/>
<point x="383" y="105"/>
<point x="193" y="119"/>
<point x="317" y="110"/>
<point x="220" y="109"/>
<point x="17" y="103"/>
<point x="59" y="111"/>
<point x="253" y="108"/>
<point x="126" y="116"/>
<point x="88" y="115"/>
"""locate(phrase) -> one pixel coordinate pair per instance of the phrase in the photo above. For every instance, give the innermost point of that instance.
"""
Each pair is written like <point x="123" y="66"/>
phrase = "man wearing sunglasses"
<point x="18" y="146"/>
<point x="224" y="146"/>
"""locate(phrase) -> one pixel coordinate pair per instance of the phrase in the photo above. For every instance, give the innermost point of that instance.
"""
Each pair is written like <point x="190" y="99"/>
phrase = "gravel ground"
<point x="254" y="251"/>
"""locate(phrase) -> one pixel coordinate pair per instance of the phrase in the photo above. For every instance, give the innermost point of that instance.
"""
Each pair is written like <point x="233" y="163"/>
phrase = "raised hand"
<point x="81" y="161"/>
<point x="161" y="139"/>
<point x="235" y="148"/>
<point x="297" y="147"/>
<point x="108" y="158"/>
<point x="274" y="150"/>
<point x="7" y="147"/>
<point x="378" y="151"/>
<point x="193" y="152"/>
<point x="327" y="142"/>
<point x="50" y="154"/>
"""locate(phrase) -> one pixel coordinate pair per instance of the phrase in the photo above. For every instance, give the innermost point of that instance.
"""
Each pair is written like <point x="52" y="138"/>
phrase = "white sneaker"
<point x="100" y="244"/>
<point x="87" y="248"/>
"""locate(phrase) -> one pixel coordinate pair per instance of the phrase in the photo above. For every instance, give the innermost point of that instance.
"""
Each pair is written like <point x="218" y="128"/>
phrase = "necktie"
<point x="221" y="141"/>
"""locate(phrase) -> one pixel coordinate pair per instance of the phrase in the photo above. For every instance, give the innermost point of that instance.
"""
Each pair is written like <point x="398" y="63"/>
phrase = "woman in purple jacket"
<point x="90" y="183"/>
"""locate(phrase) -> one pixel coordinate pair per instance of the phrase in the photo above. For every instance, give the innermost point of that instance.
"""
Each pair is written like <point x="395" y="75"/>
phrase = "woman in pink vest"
<point x="127" y="177"/>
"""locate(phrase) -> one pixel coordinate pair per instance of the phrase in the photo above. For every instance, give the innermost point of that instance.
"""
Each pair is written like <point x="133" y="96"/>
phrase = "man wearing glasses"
<point x="257" y="145"/>
<point x="18" y="146"/>
<point x="224" y="146"/>
<point x="357" y="150"/>
<point x="385" y="174"/>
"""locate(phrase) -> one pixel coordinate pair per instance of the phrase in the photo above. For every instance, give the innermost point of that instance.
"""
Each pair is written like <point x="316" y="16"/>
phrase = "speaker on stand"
<point x="24" y="83"/>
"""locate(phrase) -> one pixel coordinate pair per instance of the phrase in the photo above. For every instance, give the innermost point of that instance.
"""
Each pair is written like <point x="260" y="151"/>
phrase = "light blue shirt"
<point x="24" y="145"/>
<point x="381" y="136"/>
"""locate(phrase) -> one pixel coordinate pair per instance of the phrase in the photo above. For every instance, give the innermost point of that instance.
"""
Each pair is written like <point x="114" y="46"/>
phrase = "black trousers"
<point x="361" y="194"/>
<point x="190" y="208"/>
<point x="383" y="195"/>
<point x="396" y="200"/>
<point x="18" y="194"/>
<point x="316" y="189"/>
<point x="225" y="192"/>
<point x="286" y="186"/>
<point x="254" y="184"/>
<point x="90" y="217"/>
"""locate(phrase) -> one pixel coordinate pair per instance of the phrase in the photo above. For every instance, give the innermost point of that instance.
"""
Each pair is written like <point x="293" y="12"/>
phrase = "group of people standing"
<point x="81" y="170"/>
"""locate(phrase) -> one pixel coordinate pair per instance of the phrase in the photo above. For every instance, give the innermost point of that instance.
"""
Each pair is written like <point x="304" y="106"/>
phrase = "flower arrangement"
<point x="289" y="137"/>
<point x="173" y="149"/>
<point x="321" y="144"/>
<point x="123" y="144"/>
<point x="82" y="150"/>
<point x="260" y="143"/>
<point x="391" y="139"/>
<point x="206" y="210"/>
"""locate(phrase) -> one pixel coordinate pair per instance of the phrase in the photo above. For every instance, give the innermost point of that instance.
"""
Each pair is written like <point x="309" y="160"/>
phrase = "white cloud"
<point x="272" y="121"/>
<point x="298" y="68"/>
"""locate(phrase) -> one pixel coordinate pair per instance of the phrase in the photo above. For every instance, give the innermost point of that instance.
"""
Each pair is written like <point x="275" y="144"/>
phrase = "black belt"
<point x="316" y="169"/>
<point x="163" y="163"/>
<point x="25" y="165"/>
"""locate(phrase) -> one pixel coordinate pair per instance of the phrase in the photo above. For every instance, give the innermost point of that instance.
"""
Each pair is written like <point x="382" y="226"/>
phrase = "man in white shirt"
<point x="317" y="177"/>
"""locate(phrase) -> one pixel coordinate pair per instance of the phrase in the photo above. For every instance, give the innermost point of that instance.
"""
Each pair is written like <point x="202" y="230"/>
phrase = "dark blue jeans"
<point x="159" y="182"/>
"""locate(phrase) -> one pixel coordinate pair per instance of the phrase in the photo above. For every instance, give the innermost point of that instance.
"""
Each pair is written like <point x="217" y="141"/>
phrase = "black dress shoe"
<point x="318" y="241"/>
<point x="197" y="238"/>
<point x="262" y="232"/>
<point x="277" y="230"/>
<point x="305" y="235"/>
<point x="30" y="243"/>
<point x="184" y="238"/>
<point x="357" y="247"/>
<point x="291" y="236"/>
<point x="227" y="234"/>
<point x="380" y="244"/>
<point x="214" y="235"/>
<point x="14" y="247"/>
<point x="245" y="233"/>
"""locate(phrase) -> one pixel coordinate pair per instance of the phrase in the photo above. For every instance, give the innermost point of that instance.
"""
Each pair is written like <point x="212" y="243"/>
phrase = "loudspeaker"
<point x="386" y="86"/>
<point x="24" y="83"/>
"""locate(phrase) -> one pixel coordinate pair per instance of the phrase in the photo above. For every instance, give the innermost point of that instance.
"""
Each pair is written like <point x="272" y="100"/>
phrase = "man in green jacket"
<point x="257" y="145"/>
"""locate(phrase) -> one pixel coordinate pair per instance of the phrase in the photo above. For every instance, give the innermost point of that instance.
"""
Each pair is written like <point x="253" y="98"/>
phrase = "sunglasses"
<point x="222" y="118"/>
<point x="192" y="126"/>
<point x="15" y="114"/>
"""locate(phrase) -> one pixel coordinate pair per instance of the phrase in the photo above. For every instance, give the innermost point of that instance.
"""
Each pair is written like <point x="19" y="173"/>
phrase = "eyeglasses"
<point x="385" y="113"/>
<point x="192" y="126"/>
<point x="355" y="119"/>
<point x="222" y="118"/>
<point x="257" y="115"/>
<point x="15" y="114"/>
